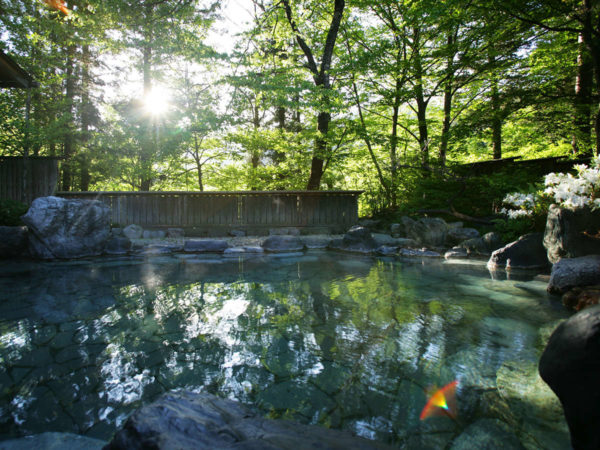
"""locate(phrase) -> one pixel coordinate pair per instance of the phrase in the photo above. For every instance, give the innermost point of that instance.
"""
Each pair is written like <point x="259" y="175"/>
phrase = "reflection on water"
<point x="341" y="341"/>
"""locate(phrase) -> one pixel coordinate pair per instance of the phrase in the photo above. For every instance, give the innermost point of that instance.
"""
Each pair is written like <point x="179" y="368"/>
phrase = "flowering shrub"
<point x="576" y="191"/>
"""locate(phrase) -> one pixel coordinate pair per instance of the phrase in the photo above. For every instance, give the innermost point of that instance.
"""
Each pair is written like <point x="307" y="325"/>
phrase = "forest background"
<point x="387" y="96"/>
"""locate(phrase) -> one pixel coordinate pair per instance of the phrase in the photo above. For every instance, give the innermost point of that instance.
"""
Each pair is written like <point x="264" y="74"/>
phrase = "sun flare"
<point x="156" y="102"/>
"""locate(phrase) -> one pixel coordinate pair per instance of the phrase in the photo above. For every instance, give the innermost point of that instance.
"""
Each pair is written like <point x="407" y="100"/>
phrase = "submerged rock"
<point x="574" y="272"/>
<point x="53" y="441"/>
<point x="527" y="252"/>
<point x="61" y="228"/>
<point x="186" y="420"/>
<point x="487" y="434"/>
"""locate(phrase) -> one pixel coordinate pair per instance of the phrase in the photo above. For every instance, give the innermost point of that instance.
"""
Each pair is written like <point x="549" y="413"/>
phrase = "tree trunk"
<point x="582" y="130"/>
<point x="86" y="118"/>
<point x="421" y="103"/>
<point x="496" y="122"/>
<point x="448" y="84"/>
<point x="68" y="143"/>
<point x="147" y="147"/>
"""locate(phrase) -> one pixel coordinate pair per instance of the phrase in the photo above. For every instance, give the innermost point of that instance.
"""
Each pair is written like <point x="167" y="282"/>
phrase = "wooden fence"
<point x="25" y="179"/>
<point x="214" y="213"/>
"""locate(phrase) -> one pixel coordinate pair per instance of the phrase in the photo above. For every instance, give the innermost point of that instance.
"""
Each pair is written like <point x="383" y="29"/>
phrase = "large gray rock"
<point x="574" y="272"/>
<point x="571" y="233"/>
<point x="13" y="241"/>
<point x="458" y="235"/>
<point x="186" y="420"/>
<point x="61" y="228"/>
<point x="53" y="441"/>
<point x="283" y="244"/>
<point x="570" y="364"/>
<point x="426" y="231"/>
<point x="527" y="252"/>
<point x="483" y="245"/>
<point x="133" y="231"/>
<point x="358" y="239"/>
<point x="205" y="246"/>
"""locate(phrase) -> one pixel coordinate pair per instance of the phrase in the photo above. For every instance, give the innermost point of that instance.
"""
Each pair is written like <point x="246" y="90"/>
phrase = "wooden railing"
<point x="217" y="212"/>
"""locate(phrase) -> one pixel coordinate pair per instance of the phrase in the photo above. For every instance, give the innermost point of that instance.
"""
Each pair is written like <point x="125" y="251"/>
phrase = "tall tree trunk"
<point x="147" y="144"/>
<point x="496" y="121"/>
<point x="582" y="130"/>
<point x="421" y="102"/>
<point x="86" y="118"/>
<point x="321" y="78"/>
<point x="448" y="85"/>
<point x="394" y="146"/>
<point x="68" y="141"/>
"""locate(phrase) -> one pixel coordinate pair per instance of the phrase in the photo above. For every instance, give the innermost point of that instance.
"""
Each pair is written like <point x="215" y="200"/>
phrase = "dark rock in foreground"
<point x="571" y="233"/>
<point x="527" y="252"/>
<point x="574" y="272"/>
<point x="13" y="241"/>
<point x="60" y="228"/>
<point x="570" y="364"/>
<point x="186" y="420"/>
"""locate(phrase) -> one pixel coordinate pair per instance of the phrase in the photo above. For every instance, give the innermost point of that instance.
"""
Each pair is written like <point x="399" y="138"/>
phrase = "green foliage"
<point x="11" y="212"/>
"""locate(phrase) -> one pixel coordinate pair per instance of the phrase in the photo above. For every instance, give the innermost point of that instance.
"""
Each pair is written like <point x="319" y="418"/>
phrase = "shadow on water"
<point x="342" y="341"/>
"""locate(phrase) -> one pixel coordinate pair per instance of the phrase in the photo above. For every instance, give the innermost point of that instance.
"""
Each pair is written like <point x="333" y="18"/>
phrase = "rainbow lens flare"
<point x="441" y="403"/>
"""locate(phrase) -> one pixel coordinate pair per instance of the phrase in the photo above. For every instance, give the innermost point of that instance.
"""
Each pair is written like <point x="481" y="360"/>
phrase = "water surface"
<point x="342" y="341"/>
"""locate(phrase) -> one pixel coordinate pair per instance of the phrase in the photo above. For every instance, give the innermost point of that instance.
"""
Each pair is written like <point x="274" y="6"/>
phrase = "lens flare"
<point x="441" y="403"/>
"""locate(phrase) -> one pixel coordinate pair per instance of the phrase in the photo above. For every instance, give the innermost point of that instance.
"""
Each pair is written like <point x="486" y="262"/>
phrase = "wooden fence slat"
<point x="338" y="209"/>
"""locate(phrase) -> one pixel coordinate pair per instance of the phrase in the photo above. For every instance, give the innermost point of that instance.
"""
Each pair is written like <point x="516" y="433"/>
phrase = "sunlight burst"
<point x="156" y="102"/>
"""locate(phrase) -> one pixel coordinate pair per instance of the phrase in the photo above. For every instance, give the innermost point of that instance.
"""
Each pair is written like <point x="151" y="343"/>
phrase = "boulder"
<point x="574" y="272"/>
<point x="133" y="231"/>
<point x="118" y="245"/>
<point x="580" y="298"/>
<point x="283" y="244"/>
<point x="13" y="241"/>
<point x="483" y="245"/>
<point x="358" y="239"/>
<point x="236" y="233"/>
<point x="205" y="246"/>
<point x="316" y="242"/>
<point x="527" y="252"/>
<point x="396" y="230"/>
<point x="186" y="420"/>
<point x="426" y="231"/>
<point x="61" y="228"/>
<point x="571" y="233"/>
<point x="456" y="253"/>
<point x="175" y="232"/>
<point x="154" y="234"/>
<point x="387" y="250"/>
<point x="458" y="235"/>
<point x="570" y="364"/>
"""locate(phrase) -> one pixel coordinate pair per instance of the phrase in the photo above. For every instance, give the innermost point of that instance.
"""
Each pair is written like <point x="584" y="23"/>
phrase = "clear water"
<point x="343" y="341"/>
